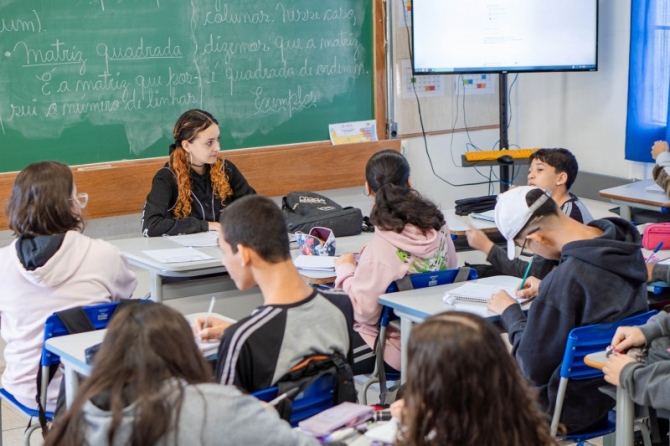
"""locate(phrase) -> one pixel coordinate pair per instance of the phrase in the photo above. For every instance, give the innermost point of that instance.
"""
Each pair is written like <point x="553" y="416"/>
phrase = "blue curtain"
<point x="648" y="78"/>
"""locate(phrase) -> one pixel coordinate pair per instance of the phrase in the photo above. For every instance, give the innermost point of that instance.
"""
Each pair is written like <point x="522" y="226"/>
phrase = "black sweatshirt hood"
<point x="34" y="252"/>
<point x="615" y="251"/>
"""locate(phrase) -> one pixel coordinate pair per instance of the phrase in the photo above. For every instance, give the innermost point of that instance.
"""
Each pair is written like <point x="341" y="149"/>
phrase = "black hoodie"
<point x="597" y="280"/>
<point x="157" y="214"/>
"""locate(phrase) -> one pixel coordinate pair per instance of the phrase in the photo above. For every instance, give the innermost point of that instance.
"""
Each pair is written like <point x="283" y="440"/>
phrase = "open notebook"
<point x="479" y="292"/>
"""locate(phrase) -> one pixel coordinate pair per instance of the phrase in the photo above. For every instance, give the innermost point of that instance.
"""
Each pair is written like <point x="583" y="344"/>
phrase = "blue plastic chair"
<point x="583" y="341"/>
<point x="413" y="281"/>
<point x="316" y="398"/>
<point x="99" y="315"/>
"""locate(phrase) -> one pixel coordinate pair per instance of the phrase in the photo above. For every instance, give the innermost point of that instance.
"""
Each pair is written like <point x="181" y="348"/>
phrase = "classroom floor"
<point x="14" y="423"/>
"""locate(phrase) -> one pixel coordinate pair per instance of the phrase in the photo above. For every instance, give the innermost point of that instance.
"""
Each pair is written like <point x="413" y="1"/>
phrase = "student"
<point x="188" y="194"/>
<point x="463" y="388"/>
<point x="294" y="322"/>
<point x="50" y="266"/>
<point x="150" y="385"/>
<point x="601" y="278"/>
<point x="411" y="236"/>
<point x="661" y="172"/>
<point x="647" y="385"/>
<point x="552" y="170"/>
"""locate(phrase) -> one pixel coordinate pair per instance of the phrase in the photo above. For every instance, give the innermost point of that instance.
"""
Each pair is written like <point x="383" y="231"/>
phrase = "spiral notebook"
<point x="478" y="292"/>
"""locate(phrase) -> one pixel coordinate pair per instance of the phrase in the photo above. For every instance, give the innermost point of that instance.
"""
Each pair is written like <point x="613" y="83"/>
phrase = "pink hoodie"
<point x="84" y="271"/>
<point x="390" y="256"/>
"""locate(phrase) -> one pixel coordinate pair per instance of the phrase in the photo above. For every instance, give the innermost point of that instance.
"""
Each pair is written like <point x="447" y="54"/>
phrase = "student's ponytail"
<point x="396" y="203"/>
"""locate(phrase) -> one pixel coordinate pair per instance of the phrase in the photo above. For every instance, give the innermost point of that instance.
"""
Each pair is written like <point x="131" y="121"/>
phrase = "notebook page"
<point x="478" y="292"/>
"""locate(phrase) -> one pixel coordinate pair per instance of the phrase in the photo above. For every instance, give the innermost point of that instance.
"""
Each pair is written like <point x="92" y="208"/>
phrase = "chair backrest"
<point x="99" y="316"/>
<point x="316" y="398"/>
<point x="434" y="278"/>
<point x="591" y="339"/>
<point x="583" y="341"/>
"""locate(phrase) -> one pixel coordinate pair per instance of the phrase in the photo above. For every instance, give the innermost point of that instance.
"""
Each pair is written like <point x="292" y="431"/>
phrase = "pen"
<point x="656" y="249"/>
<point x="525" y="275"/>
<point x="277" y="400"/>
<point x="209" y="312"/>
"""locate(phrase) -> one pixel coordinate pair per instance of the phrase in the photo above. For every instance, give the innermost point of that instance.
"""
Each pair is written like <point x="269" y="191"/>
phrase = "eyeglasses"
<point x="82" y="199"/>
<point x="523" y="247"/>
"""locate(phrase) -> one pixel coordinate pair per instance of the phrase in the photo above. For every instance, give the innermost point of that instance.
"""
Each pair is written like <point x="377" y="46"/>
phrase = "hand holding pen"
<point x="653" y="253"/>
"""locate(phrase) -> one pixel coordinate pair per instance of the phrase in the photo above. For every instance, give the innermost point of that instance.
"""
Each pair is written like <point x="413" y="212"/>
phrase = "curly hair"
<point x="189" y="125"/>
<point x="463" y="388"/>
<point x="396" y="203"/>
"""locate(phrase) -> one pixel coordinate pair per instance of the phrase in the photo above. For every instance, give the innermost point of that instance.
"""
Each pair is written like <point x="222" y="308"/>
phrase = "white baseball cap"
<point x="512" y="213"/>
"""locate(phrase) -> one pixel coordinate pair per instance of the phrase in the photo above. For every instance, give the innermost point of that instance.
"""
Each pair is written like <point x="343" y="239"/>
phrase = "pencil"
<point x="525" y="275"/>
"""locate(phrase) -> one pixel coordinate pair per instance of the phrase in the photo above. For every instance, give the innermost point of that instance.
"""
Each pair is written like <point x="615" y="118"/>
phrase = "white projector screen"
<point x="499" y="36"/>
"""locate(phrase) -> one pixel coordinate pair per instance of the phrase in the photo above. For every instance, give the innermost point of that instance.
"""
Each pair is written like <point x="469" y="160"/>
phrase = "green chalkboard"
<point x="105" y="80"/>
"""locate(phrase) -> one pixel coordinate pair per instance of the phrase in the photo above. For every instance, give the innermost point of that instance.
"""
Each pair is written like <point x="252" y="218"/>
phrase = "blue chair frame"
<point x="583" y="341"/>
<point x="316" y="398"/>
<point x="413" y="281"/>
<point x="99" y="315"/>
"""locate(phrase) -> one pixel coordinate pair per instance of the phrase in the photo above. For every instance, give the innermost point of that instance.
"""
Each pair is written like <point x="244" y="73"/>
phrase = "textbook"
<point x="315" y="263"/>
<point x="479" y="292"/>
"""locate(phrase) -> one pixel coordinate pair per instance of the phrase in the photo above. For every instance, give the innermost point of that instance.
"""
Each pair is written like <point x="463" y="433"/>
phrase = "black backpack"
<point x="305" y="210"/>
<point x="302" y="376"/>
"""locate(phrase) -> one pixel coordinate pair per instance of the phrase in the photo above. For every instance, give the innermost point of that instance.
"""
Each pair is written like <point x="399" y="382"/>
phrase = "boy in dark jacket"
<point x="601" y="277"/>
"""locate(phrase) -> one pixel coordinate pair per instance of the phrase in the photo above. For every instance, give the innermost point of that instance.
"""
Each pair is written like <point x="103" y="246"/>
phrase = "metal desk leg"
<point x="156" y="287"/>
<point x="405" y="329"/>
<point x="624" y="212"/>
<point x="624" y="418"/>
<point x="71" y="384"/>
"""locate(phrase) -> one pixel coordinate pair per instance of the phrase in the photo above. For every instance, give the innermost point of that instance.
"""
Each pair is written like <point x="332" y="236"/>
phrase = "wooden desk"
<point x="414" y="306"/>
<point x="635" y="195"/>
<point x="625" y="408"/>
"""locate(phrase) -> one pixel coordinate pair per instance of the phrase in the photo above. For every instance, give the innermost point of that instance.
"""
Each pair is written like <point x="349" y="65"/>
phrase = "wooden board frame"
<point x="120" y="188"/>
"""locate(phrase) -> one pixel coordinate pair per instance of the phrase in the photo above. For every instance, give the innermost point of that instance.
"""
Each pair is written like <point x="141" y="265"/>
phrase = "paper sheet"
<point x="478" y="292"/>
<point x="655" y="188"/>
<point x="177" y="255"/>
<point x="200" y="239"/>
<point x="353" y="132"/>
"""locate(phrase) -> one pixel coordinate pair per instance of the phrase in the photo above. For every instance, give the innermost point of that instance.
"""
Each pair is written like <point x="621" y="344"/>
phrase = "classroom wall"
<point x="584" y="112"/>
<point x="445" y="151"/>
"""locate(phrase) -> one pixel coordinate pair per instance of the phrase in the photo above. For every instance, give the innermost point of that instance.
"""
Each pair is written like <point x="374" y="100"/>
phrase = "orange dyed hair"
<point x="188" y="127"/>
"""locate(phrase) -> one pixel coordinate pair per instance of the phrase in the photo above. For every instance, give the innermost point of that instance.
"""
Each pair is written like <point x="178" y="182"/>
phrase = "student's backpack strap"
<point x="75" y="321"/>
<point x="404" y="284"/>
<point x="462" y="274"/>
<point x="309" y="371"/>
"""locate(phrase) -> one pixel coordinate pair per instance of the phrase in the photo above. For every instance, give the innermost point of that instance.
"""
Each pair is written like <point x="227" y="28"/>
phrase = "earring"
<point x="190" y="158"/>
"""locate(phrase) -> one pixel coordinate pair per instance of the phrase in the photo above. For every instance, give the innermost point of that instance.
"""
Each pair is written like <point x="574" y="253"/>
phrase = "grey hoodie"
<point x="650" y="385"/>
<point x="211" y="414"/>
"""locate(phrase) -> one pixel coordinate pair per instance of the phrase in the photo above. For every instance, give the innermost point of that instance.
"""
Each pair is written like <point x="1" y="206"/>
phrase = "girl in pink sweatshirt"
<point x="411" y="236"/>
<point x="50" y="266"/>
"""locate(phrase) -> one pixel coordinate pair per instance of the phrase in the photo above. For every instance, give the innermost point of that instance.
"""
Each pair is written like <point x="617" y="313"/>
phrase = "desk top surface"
<point x="132" y="249"/>
<point x="71" y="348"/>
<point x="424" y="302"/>
<point x="458" y="224"/>
<point x="637" y="193"/>
<point x="596" y="360"/>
